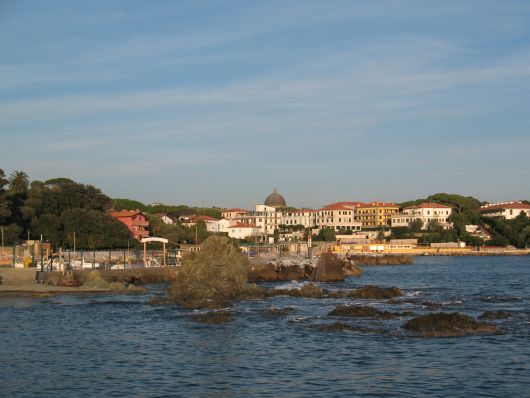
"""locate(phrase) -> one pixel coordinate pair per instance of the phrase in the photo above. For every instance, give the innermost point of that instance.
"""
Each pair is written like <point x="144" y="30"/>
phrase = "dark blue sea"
<point x="120" y="346"/>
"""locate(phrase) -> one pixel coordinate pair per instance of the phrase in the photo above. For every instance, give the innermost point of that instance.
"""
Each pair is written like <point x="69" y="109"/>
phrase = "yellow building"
<point x="376" y="214"/>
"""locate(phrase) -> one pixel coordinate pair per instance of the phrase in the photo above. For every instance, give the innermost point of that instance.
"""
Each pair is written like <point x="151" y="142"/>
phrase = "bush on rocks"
<point x="213" y="277"/>
<point x="95" y="281"/>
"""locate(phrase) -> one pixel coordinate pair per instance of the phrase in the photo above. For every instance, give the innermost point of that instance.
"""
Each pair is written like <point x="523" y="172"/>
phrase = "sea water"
<point x="120" y="346"/>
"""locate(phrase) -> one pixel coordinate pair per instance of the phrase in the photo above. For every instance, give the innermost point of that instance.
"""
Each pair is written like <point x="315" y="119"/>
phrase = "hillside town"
<point x="353" y="225"/>
<point x="59" y="215"/>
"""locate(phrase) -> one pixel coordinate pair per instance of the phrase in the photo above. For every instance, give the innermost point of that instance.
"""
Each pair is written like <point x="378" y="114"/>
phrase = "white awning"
<point x="154" y="239"/>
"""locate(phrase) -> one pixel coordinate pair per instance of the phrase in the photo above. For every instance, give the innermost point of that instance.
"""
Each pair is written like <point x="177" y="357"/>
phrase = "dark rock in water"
<point x="429" y="304"/>
<point x="376" y="292"/>
<point x="447" y="325"/>
<point x="262" y="273"/>
<point x="329" y="269"/>
<point x="344" y="327"/>
<point x="253" y="292"/>
<point x="366" y="312"/>
<point x="311" y="291"/>
<point x="214" y="317"/>
<point x="278" y="292"/>
<point x="335" y="327"/>
<point x="308" y="291"/>
<point x="334" y="294"/>
<point x="308" y="271"/>
<point x="387" y="259"/>
<point x="351" y="268"/>
<point x="290" y="273"/>
<point x="495" y="315"/>
<point x="280" y="311"/>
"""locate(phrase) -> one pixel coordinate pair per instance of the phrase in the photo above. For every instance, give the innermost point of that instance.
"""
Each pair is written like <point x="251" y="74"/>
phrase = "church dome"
<point x="275" y="200"/>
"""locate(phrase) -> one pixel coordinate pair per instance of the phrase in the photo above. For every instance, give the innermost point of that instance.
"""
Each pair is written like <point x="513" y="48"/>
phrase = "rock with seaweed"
<point x="214" y="277"/>
<point x="447" y="325"/>
<point x="376" y="292"/>
<point x="349" y="311"/>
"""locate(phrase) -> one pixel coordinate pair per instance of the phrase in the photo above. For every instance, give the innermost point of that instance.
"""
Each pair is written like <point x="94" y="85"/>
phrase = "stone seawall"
<point x="28" y="276"/>
<point x="384" y="259"/>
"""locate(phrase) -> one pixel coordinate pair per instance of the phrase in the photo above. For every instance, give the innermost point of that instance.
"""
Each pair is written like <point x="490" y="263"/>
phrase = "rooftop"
<point x="505" y="205"/>
<point x="429" y="206"/>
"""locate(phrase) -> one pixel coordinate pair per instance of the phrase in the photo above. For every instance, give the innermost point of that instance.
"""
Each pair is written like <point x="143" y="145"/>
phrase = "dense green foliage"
<point x="170" y="210"/>
<point x="56" y="210"/>
<point x="60" y="208"/>
<point x="514" y="232"/>
<point x="465" y="211"/>
<point x="177" y="233"/>
<point x="326" y="235"/>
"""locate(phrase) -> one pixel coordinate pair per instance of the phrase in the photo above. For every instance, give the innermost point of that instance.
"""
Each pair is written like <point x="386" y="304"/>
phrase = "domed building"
<point x="275" y="200"/>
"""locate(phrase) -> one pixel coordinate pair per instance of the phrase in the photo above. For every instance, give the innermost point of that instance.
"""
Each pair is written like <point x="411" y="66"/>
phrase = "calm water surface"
<point x="116" y="346"/>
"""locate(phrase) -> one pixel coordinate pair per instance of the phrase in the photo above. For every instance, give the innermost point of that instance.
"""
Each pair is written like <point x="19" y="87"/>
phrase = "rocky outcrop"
<point x="376" y="292"/>
<point x="311" y="291"/>
<point x="280" y="311"/>
<point x="262" y="273"/>
<point x="495" y="315"/>
<point x="351" y="268"/>
<point x="335" y="327"/>
<point x="385" y="259"/>
<point x="290" y="273"/>
<point x="366" y="312"/>
<point x="344" y="327"/>
<point x="330" y="268"/>
<point x="447" y="325"/>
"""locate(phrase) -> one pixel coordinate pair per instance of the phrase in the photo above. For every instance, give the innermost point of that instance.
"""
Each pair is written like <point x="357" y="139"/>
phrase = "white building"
<point x="242" y="231"/>
<point x="337" y="217"/>
<point x="426" y="212"/>
<point x="304" y="217"/>
<point x="506" y="210"/>
<point x="217" y="226"/>
<point x="165" y="218"/>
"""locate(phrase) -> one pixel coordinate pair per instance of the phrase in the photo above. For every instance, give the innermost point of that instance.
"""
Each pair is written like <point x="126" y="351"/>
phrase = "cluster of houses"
<point x="274" y="217"/>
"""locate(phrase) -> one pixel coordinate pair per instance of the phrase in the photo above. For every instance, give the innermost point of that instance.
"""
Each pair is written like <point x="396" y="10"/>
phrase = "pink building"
<point x="135" y="222"/>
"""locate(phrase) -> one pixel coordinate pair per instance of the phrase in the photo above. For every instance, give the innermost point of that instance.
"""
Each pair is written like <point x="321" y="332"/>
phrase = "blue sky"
<point x="218" y="102"/>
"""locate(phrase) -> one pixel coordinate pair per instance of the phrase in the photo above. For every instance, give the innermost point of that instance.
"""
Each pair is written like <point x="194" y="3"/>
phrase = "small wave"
<point x="114" y="302"/>
<point x="291" y="285"/>
<point x="499" y="299"/>
<point x="415" y="293"/>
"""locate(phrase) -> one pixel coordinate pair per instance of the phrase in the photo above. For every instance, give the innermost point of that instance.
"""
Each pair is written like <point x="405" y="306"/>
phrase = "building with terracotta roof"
<point x="134" y="220"/>
<point x="426" y="212"/>
<point x="235" y="215"/>
<point x="338" y="217"/>
<point x="506" y="210"/>
<point x="376" y="214"/>
<point x="243" y="231"/>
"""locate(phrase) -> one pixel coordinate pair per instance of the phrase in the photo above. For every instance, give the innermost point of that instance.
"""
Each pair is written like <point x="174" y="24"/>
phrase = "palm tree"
<point x="18" y="182"/>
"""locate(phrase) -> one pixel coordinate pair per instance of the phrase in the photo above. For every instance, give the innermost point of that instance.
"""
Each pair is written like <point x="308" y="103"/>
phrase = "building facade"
<point x="426" y="212"/>
<point x="134" y="220"/>
<point x="376" y="214"/>
<point x="506" y="210"/>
